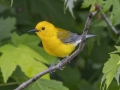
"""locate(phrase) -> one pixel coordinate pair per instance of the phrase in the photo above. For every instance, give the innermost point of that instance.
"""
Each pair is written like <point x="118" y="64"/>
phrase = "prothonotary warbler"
<point x="56" y="41"/>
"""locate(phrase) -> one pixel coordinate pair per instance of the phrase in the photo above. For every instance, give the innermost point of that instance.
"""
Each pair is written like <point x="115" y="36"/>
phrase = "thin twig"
<point x="68" y="59"/>
<point x="107" y="21"/>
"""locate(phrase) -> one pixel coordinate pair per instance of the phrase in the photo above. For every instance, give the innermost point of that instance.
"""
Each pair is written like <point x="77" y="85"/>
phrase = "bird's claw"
<point x="50" y="70"/>
<point x="61" y="68"/>
<point x="59" y="65"/>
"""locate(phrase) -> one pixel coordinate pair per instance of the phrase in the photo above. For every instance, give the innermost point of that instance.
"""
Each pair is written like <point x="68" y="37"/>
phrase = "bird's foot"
<point x="59" y="65"/>
<point x="50" y="68"/>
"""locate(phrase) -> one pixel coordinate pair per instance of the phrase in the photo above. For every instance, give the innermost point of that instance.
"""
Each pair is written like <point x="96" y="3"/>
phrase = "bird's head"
<point x="44" y="29"/>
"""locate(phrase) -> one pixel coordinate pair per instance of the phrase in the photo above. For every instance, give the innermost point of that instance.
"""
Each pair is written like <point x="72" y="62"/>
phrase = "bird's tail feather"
<point x="78" y="40"/>
<point x="90" y="35"/>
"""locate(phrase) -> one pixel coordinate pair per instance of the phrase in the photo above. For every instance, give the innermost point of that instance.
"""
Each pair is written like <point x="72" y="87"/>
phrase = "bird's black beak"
<point x="34" y="30"/>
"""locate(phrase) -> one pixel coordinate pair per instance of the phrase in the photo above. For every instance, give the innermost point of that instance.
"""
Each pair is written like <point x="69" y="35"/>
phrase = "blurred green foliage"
<point x="22" y="55"/>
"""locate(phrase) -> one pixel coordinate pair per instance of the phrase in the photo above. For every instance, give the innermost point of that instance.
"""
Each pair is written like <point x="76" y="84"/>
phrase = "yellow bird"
<point x="56" y="41"/>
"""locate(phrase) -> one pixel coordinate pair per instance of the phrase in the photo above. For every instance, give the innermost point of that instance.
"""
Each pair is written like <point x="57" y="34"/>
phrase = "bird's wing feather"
<point x="67" y="36"/>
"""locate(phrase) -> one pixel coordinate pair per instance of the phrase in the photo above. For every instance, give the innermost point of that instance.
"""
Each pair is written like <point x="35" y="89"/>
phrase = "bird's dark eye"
<point x="43" y="28"/>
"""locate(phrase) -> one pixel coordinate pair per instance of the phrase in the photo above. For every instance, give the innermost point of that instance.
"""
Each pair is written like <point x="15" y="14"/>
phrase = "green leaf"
<point x="29" y="40"/>
<point x="111" y="63"/>
<point x="87" y="3"/>
<point x="32" y="41"/>
<point x="117" y="76"/>
<point x="110" y="76"/>
<point x="7" y="66"/>
<point x="102" y="81"/>
<point x="115" y="10"/>
<point x="115" y="14"/>
<point x="43" y="84"/>
<point x="6" y="26"/>
<point x="111" y="69"/>
<point x="107" y="5"/>
<point x="22" y="56"/>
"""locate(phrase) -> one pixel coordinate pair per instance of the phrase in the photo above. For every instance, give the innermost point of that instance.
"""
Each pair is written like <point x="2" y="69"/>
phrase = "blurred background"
<point x="22" y="55"/>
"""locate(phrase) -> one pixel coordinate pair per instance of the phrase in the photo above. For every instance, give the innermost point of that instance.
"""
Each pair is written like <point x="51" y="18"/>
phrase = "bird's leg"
<point x="52" y="66"/>
<point x="61" y="68"/>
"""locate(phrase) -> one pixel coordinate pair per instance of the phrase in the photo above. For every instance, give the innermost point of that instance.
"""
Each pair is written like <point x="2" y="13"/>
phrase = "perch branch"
<point x="68" y="59"/>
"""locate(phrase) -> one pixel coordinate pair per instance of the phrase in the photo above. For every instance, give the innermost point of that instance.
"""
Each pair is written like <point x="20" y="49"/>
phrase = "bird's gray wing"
<point x="67" y="36"/>
<point x="70" y="37"/>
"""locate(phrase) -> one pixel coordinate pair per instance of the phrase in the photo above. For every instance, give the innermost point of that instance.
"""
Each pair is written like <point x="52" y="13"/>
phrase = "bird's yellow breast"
<point x="55" y="47"/>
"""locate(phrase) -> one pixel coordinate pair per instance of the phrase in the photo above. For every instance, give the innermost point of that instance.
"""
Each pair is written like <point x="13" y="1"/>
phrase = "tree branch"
<point x="68" y="59"/>
<point x="108" y="22"/>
